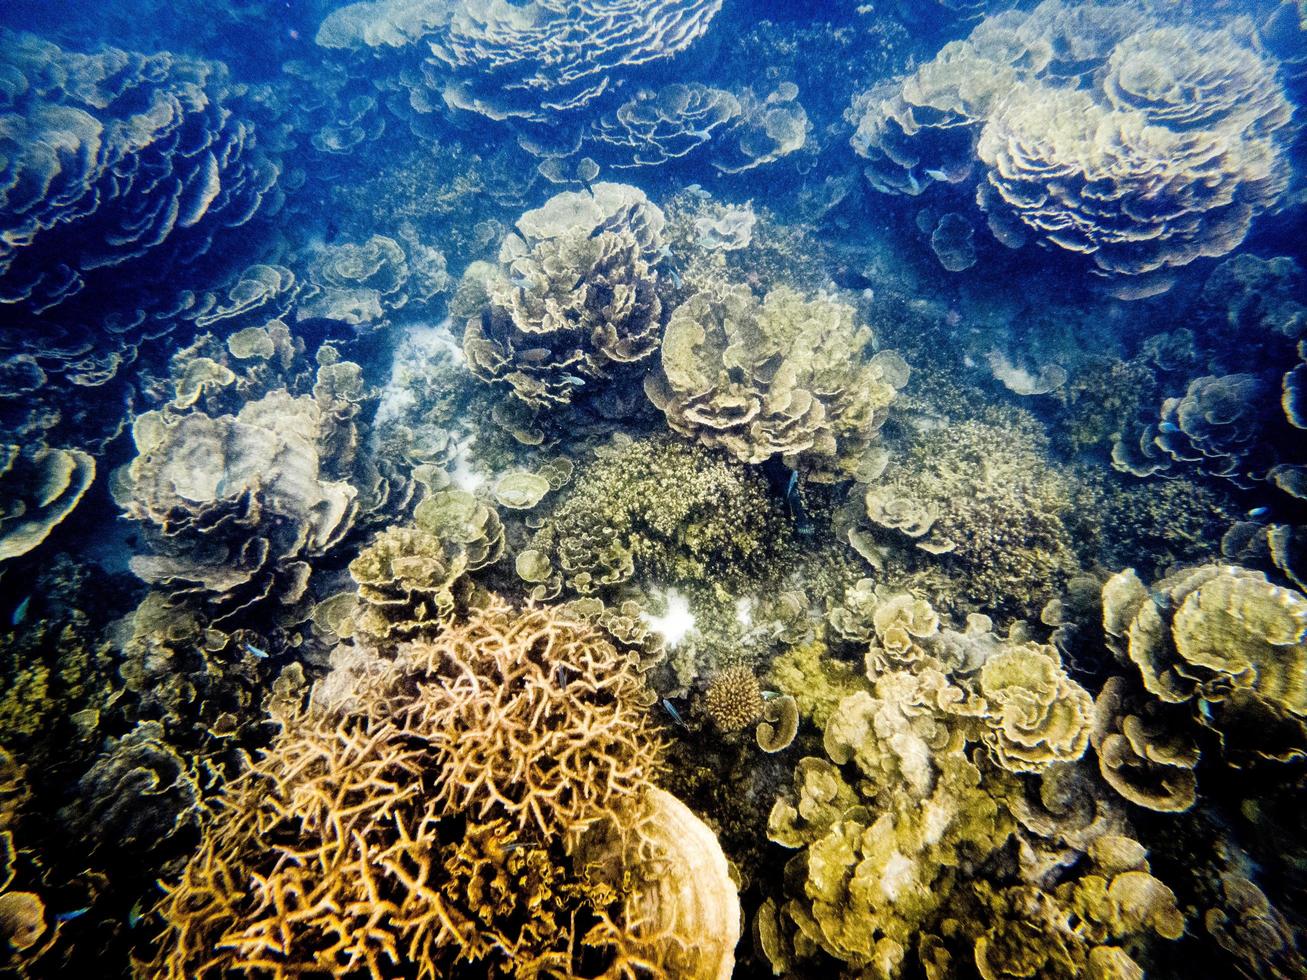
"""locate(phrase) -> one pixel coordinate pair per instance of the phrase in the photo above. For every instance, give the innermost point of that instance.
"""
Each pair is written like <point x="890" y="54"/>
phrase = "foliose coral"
<point x="1039" y="715"/>
<point x="1067" y="108"/>
<point x="575" y="303"/>
<point x="108" y="157"/>
<point x="789" y="377"/>
<point x="40" y="488"/>
<point x="233" y="504"/>
<point x="1226" y="641"/>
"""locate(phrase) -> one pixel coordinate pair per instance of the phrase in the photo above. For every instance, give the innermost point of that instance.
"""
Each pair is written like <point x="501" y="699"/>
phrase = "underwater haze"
<point x="653" y="489"/>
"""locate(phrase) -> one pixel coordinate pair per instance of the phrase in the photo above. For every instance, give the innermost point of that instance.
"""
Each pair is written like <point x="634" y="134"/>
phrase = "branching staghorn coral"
<point x="787" y="377"/>
<point x="418" y="812"/>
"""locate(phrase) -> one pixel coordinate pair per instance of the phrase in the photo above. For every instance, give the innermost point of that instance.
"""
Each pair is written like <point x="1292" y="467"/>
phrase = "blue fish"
<point x="74" y="914"/>
<point x="1257" y="512"/>
<point x="1170" y="428"/>
<point x="675" y="715"/>
<point x="20" y="613"/>
<point x="256" y="652"/>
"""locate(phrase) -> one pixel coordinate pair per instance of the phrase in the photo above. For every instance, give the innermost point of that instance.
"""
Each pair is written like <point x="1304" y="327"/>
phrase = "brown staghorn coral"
<point x="416" y="813"/>
<point x="575" y="302"/>
<point x="788" y="377"/>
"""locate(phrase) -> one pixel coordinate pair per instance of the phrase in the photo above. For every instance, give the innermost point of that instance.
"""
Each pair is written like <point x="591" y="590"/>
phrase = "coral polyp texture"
<point x="420" y="809"/>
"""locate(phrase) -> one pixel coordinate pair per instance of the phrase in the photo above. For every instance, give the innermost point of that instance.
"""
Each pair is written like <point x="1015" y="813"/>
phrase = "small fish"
<point x="1162" y="601"/>
<point x="1255" y="513"/>
<point x="254" y="651"/>
<point x="74" y="914"/>
<point x="794" y="505"/>
<point x="675" y="715"/>
<point x="136" y="913"/>
<point x="572" y="379"/>
<point x="20" y="612"/>
<point x="937" y="175"/>
<point x="676" y="277"/>
<point x="1170" y="428"/>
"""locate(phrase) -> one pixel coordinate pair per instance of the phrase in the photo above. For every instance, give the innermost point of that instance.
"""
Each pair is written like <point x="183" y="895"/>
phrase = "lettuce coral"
<point x="1073" y="164"/>
<point x="233" y="505"/>
<point x="1040" y="716"/>
<point x="1226" y="641"/>
<point x="40" y="488"/>
<point x="108" y="157"/>
<point x="575" y="303"/>
<point x="788" y="377"/>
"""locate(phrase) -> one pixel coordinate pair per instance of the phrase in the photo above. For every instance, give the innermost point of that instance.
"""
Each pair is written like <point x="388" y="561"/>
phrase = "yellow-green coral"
<point x="1225" y="640"/>
<point x="1038" y="715"/>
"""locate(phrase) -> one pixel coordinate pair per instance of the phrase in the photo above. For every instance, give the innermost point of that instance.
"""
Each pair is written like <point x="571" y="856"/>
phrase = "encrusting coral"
<point x="395" y="819"/>
<point x="671" y="510"/>
<point x="789" y="377"/>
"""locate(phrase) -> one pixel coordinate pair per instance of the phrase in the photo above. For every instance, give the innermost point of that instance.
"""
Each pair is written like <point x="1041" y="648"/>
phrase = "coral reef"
<point x="787" y="377"/>
<point x="672" y="511"/>
<point x="574" y="303"/>
<point x="979" y="498"/>
<point x="233" y="504"/>
<point x="1224" y="641"/>
<point x="421" y="804"/>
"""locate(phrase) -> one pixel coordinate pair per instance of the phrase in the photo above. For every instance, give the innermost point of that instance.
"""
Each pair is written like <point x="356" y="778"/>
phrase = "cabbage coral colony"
<point x="626" y="489"/>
